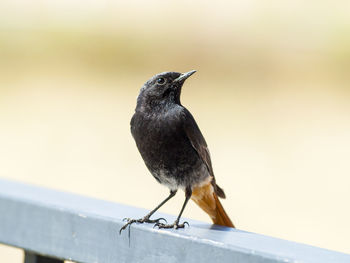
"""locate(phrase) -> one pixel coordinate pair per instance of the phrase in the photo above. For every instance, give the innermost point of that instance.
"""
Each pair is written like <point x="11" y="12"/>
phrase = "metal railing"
<point x="51" y="226"/>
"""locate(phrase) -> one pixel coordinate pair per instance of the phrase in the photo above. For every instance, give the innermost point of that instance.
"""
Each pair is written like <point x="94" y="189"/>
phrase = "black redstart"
<point x="174" y="149"/>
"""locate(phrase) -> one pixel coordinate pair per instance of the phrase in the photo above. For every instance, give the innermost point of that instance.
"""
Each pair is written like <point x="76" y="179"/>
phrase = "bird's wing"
<point x="197" y="140"/>
<point x="199" y="144"/>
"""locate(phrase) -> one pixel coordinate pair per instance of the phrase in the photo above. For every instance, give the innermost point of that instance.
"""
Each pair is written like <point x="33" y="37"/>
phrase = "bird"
<point x="174" y="150"/>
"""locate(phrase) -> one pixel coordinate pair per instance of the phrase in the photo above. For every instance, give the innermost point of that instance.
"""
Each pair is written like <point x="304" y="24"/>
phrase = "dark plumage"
<point x="172" y="146"/>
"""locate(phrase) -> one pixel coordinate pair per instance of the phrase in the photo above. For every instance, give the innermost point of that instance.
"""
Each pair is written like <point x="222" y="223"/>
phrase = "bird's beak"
<point x="184" y="76"/>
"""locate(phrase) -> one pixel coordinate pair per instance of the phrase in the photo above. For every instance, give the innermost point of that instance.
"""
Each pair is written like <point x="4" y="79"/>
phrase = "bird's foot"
<point x="174" y="225"/>
<point x="145" y="219"/>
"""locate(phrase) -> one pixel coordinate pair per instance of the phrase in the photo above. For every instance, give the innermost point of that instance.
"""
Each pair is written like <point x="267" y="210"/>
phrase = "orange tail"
<point x="206" y="198"/>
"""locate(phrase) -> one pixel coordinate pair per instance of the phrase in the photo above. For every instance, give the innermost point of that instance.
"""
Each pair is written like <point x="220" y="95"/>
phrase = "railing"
<point x="52" y="226"/>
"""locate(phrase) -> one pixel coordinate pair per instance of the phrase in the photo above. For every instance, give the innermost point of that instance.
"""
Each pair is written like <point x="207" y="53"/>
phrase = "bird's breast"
<point x="165" y="148"/>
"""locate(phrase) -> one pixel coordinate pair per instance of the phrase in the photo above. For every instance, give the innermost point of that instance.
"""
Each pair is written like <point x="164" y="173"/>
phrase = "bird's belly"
<point x="180" y="178"/>
<point x="175" y="163"/>
<point x="168" y="154"/>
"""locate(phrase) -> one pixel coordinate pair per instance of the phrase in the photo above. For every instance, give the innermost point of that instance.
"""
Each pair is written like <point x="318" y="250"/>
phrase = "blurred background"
<point x="271" y="97"/>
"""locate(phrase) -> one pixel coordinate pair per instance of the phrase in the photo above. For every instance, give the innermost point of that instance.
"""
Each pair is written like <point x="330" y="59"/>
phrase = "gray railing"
<point x="51" y="226"/>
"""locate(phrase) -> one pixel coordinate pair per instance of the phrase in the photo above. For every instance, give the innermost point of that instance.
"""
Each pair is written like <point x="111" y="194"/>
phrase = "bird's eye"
<point x="161" y="81"/>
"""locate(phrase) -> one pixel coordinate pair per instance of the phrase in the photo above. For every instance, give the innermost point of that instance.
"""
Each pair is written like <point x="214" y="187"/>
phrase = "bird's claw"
<point x="145" y="219"/>
<point x="175" y="225"/>
<point x="129" y="222"/>
<point x="156" y="220"/>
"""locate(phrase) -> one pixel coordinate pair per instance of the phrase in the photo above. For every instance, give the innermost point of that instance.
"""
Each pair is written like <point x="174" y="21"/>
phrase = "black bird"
<point x="174" y="149"/>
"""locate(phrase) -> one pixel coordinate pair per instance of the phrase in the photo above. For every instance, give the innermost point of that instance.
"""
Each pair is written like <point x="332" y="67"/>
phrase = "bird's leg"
<point x="146" y="218"/>
<point x="176" y="225"/>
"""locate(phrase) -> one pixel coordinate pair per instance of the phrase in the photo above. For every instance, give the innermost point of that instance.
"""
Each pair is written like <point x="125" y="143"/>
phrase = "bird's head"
<point x="162" y="90"/>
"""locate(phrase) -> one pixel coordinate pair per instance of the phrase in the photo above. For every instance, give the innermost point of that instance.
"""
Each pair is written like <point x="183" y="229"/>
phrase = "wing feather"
<point x="199" y="144"/>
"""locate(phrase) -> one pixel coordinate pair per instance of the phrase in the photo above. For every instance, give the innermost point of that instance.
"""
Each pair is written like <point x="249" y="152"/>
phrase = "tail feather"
<point x="206" y="198"/>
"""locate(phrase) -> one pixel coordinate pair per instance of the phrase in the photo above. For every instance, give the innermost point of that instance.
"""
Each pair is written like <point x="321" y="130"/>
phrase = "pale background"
<point x="271" y="97"/>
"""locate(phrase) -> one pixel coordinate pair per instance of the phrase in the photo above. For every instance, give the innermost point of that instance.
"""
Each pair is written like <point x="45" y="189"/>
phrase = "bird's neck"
<point x="155" y="106"/>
